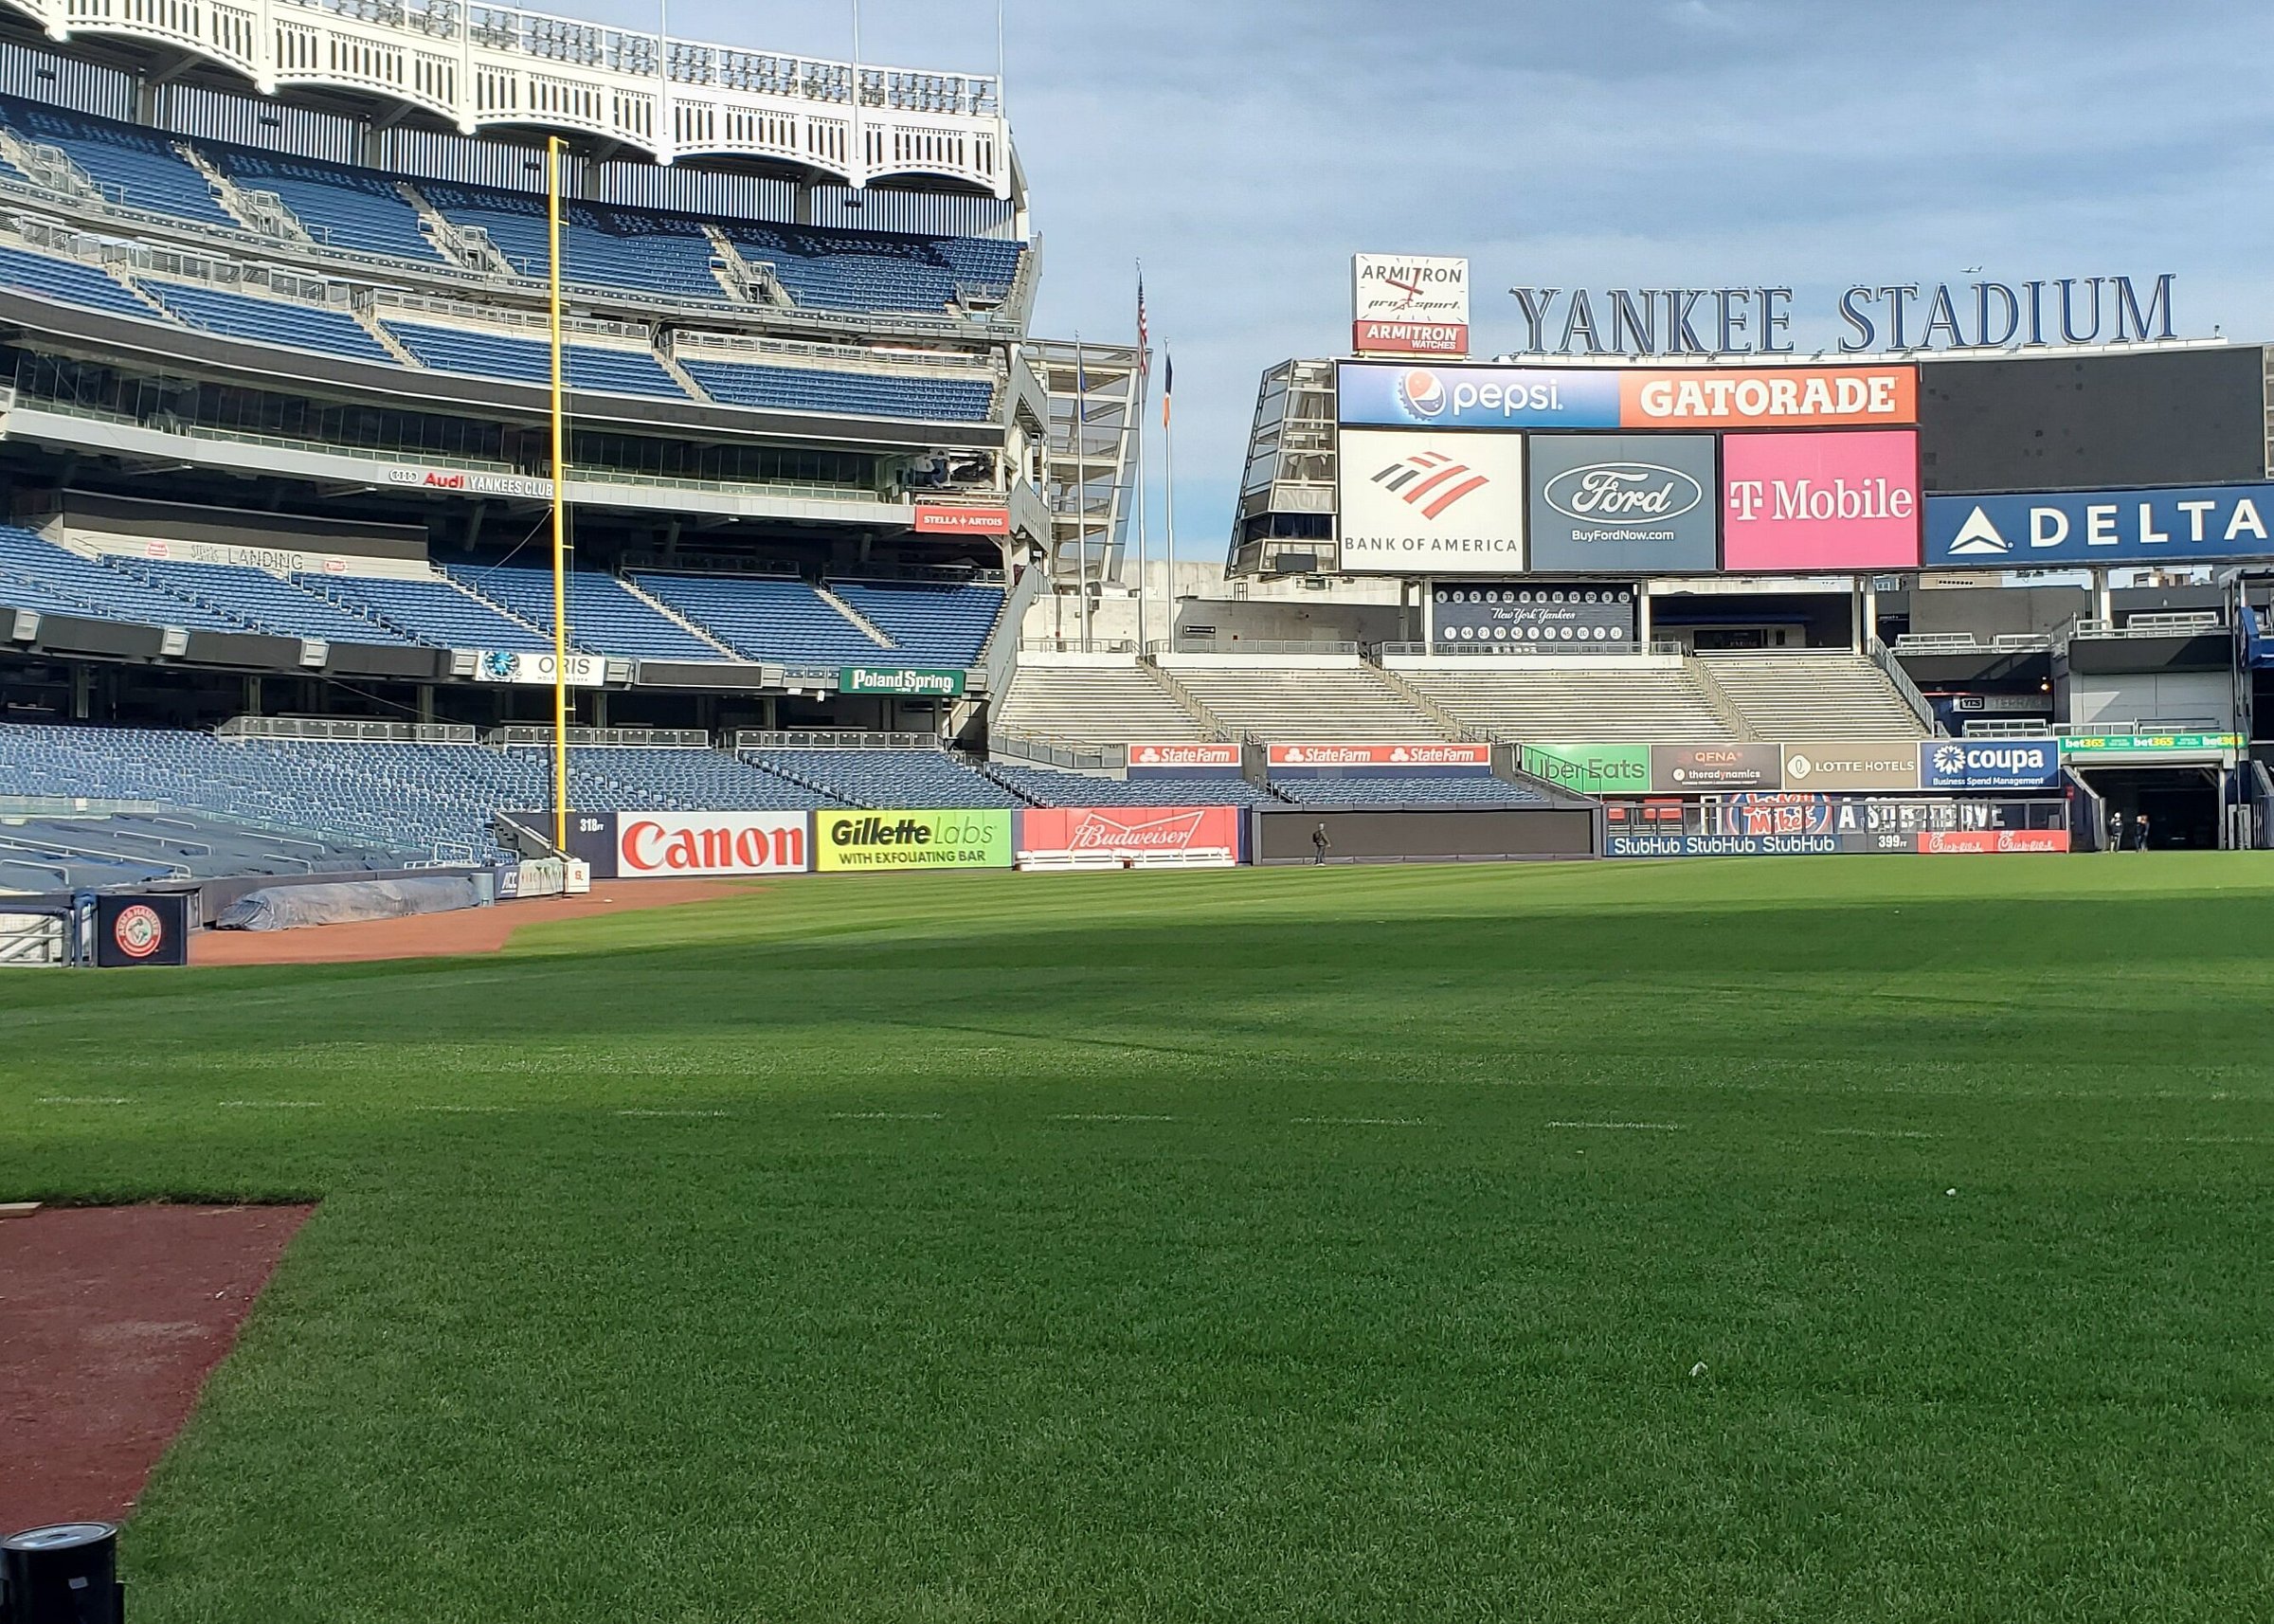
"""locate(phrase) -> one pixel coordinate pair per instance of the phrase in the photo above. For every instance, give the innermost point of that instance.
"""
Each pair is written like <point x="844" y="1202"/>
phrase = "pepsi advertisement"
<point x="1377" y="395"/>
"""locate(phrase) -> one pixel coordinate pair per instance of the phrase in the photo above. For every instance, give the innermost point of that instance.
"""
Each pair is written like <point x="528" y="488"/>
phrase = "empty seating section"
<point x="119" y="848"/>
<point x="764" y="617"/>
<point x="931" y="623"/>
<point x="1046" y="786"/>
<point x="356" y="210"/>
<point x="1813" y="695"/>
<point x="262" y="601"/>
<point x="67" y="282"/>
<point x="487" y="354"/>
<point x="874" y="270"/>
<point x="435" y="611"/>
<point x="1408" y="789"/>
<point x="1095" y="704"/>
<point x="634" y="778"/>
<point x="1350" y="703"/>
<point x="108" y="594"/>
<point x="271" y="321"/>
<point x="1590" y="697"/>
<point x="664" y="254"/>
<point x="605" y="617"/>
<point x="887" y="778"/>
<point x="855" y="394"/>
<point x="129" y="165"/>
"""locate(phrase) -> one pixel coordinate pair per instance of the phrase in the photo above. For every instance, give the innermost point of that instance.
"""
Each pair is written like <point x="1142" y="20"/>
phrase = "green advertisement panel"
<point x="1592" y="769"/>
<point x="965" y="838"/>
<point x="909" y="682"/>
<point x="2148" y="744"/>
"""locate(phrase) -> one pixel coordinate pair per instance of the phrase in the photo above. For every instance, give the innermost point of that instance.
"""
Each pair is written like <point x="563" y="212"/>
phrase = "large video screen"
<point x="2052" y="423"/>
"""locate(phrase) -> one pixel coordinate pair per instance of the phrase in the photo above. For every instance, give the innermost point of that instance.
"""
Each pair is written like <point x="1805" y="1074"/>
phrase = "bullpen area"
<point x="1767" y="1239"/>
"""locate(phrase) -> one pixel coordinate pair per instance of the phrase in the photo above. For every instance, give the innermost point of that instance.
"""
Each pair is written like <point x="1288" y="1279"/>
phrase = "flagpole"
<point x="1144" y="541"/>
<point x="1081" y="483"/>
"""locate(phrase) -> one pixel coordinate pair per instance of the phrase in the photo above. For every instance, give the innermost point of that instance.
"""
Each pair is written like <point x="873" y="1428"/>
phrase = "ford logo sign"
<point x="1623" y="492"/>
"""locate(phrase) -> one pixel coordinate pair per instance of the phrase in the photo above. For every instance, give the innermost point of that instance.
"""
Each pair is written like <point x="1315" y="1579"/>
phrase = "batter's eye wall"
<point x="2055" y="423"/>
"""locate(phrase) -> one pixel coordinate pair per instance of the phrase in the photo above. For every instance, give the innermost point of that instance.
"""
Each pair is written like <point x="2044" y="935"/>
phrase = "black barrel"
<point x="64" y="1574"/>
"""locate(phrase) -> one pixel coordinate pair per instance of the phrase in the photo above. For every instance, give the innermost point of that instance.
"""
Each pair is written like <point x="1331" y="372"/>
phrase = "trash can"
<point x="64" y="1574"/>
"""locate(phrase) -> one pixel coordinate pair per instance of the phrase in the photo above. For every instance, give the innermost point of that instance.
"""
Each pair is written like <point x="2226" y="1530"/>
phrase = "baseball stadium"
<point x="662" y="961"/>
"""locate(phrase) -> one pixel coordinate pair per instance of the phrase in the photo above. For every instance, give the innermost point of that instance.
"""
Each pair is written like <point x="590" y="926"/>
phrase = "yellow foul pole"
<point x="560" y="506"/>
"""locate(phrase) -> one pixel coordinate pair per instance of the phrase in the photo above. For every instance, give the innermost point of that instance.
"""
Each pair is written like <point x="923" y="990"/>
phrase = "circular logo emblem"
<point x="139" y="931"/>
<point x="1798" y="767"/>
<point x="1422" y="392"/>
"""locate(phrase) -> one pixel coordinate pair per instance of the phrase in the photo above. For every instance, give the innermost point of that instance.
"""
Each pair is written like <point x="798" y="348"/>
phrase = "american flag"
<point x="1143" y="358"/>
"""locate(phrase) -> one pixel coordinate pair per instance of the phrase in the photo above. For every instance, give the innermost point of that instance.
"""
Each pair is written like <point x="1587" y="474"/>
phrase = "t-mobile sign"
<point x="1821" y="502"/>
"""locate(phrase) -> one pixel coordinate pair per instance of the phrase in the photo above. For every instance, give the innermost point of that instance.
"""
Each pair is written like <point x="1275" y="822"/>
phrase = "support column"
<point x="1855" y="613"/>
<point x="1428" y="615"/>
<point x="2102" y="604"/>
<point x="1870" y="612"/>
<point x="600" y="707"/>
<point x="427" y="703"/>
<point x="1642" y="616"/>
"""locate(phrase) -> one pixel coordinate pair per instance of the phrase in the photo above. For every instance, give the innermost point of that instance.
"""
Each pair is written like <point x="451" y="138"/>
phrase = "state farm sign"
<point x="1381" y="756"/>
<point x="1178" y="757"/>
<point x="664" y="846"/>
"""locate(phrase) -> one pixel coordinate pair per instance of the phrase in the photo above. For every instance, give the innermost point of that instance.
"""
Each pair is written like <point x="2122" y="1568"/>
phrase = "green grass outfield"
<point x="1260" y="1245"/>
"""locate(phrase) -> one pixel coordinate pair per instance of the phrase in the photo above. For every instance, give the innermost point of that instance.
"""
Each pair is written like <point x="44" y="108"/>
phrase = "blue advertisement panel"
<point x="1380" y="395"/>
<point x="2172" y="526"/>
<point x="1989" y="764"/>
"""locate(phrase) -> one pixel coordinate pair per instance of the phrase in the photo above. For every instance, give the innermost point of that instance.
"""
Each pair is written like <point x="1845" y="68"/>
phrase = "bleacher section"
<point x="68" y="282"/>
<point x="270" y="321"/>
<point x="638" y="777"/>
<point x="259" y="600"/>
<point x="605" y="617"/>
<point x="435" y="611"/>
<point x="930" y="623"/>
<point x="1046" y="786"/>
<point x="1590" y="697"/>
<point x="1096" y="704"/>
<point x="1408" y="789"/>
<point x="764" y="617"/>
<point x="855" y="394"/>
<point x="662" y="253"/>
<point x="487" y="354"/>
<point x="1351" y="703"/>
<point x="129" y="165"/>
<point x="355" y="210"/>
<point x="1816" y="693"/>
<point x="886" y="779"/>
<point x="93" y="851"/>
<point x="874" y="270"/>
<point x="101" y="593"/>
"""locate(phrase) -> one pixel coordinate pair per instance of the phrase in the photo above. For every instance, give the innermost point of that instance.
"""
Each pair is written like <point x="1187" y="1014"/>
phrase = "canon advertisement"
<point x="1630" y="503"/>
<point x="687" y="845"/>
<point x="1506" y="614"/>
<point x="1432" y="504"/>
<point x="2172" y="526"/>
<point x="1839" y="502"/>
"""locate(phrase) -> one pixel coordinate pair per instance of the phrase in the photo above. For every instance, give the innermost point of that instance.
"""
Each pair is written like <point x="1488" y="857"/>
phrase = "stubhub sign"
<point x="2175" y="525"/>
<point x="1989" y="764"/>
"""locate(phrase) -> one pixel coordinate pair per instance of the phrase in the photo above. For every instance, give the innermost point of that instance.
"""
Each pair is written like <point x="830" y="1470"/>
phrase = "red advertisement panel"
<point x="1184" y="755"/>
<point x="1381" y="756"/>
<point x="1410" y="337"/>
<point x="939" y="518"/>
<point x="675" y="845"/>
<point x="1130" y="834"/>
<point x="1770" y="397"/>
<point x="1995" y="840"/>
<point x="1821" y="502"/>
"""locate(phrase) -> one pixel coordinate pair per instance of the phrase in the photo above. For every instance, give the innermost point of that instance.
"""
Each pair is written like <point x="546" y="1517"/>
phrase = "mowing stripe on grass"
<point x="886" y="1116"/>
<point x="271" y="1104"/>
<point x="652" y="1113"/>
<point x="1107" y="1116"/>
<point x="1622" y="1127"/>
<point x="1361" y="1121"/>
<point x="85" y="1099"/>
<point x="1883" y="1133"/>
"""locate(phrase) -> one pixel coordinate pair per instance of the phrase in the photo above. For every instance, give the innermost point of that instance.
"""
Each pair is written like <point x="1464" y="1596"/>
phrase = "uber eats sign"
<point x="966" y="838"/>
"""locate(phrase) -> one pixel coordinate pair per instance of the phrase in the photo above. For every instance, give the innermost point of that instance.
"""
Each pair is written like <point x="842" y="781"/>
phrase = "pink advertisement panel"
<point x="1827" y="501"/>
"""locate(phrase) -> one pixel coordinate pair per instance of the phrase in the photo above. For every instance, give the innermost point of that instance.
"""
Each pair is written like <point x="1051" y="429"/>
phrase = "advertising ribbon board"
<point x="944" y="518"/>
<point x="1592" y="769"/>
<point x="1861" y="765"/>
<point x="1617" y="845"/>
<point x="1196" y="836"/>
<point x="964" y="838"/>
<point x="1380" y="396"/>
<point x="1987" y="764"/>
<point x="1338" y="757"/>
<point x="1770" y="397"/>
<point x="2172" y="526"/>
<point x="682" y="846"/>
<point x="2100" y="746"/>
<point x="535" y="670"/>
<point x="1689" y="769"/>
<point x="1182" y="758"/>
<point x="908" y="682"/>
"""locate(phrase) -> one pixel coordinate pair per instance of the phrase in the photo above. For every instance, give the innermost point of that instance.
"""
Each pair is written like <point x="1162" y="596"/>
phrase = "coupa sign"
<point x="1989" y="764"/>
<point x="2178" y="525"/>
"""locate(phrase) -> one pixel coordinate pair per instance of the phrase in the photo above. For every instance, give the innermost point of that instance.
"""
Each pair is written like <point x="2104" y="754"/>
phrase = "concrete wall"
<point x="2117" y="702"/>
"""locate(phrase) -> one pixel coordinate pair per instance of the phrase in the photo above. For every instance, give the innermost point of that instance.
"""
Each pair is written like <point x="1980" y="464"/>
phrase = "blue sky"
<point x="1243" y="149"/>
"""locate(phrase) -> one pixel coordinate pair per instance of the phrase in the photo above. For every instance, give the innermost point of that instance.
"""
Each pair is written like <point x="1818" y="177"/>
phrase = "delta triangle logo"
<point x="1977" y="535"/>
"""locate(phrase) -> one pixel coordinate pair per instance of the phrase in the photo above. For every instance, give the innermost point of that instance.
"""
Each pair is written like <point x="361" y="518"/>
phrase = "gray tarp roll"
<point x="286" y="907"/>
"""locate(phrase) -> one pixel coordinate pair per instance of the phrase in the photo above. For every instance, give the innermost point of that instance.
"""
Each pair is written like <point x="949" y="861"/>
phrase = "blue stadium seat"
<point x="259" y="600"/>
<point x="764" y="617"/>
<point x="1044" y="786"/>
<point x="668" y="255"/>
<point x="130" y="165"/>
<point x="529" y="360"/>
<point x="633" y="778"/>
<point x="271" y="321"/>
<point x="109" y="593"/>
<point x="830" y="269"/>
<point x="435" y="611"/>
<point x="1408" y="789"/>
<point x="361" y="210"/>
<point x="888" y="779"/>
<point x="930" y="623"/>
<point x="605" y="617"/>
<point x="68" y="282"/>
<point x="853" y="394"/>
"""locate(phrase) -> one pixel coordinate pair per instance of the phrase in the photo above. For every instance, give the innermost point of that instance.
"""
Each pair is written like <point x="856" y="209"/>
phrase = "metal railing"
<point x="2008" y="729"/>
<point x="832" y="739"/>
<point x="1070" y="755"/>
<point x="1902" y="684"/>
<point x="2161" y="625"/>
<point x="1660" y="647"/>
<point x="346" y="731"/>
<point x="1248" y="645"/>
<point x="522" y="734"/>
<point x="1075" y="645"/>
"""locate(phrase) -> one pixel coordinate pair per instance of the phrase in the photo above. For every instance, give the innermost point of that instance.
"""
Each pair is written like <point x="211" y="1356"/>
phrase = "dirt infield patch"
<point x="442" y="936"/>
<point x="110" y="1319"/>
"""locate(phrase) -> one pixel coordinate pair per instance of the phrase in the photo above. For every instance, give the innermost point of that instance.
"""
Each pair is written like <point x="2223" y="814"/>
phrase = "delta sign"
<point x="2174" y="525"/>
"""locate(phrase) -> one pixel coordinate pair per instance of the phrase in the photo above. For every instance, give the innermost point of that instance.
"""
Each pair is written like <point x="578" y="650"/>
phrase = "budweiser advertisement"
<point x="1770" y="397"/>
<point x="1129" y="835"/>
<point x="943" y="518"/>
<point x="675" y="845"/>
<point x="1183" y="758"/>
<point x="1840" y="501"/>
<point x="1428" y="755"/>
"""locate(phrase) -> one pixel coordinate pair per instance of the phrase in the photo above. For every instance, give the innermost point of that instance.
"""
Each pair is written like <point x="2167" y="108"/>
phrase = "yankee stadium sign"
<point x="1898" y="316"/>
